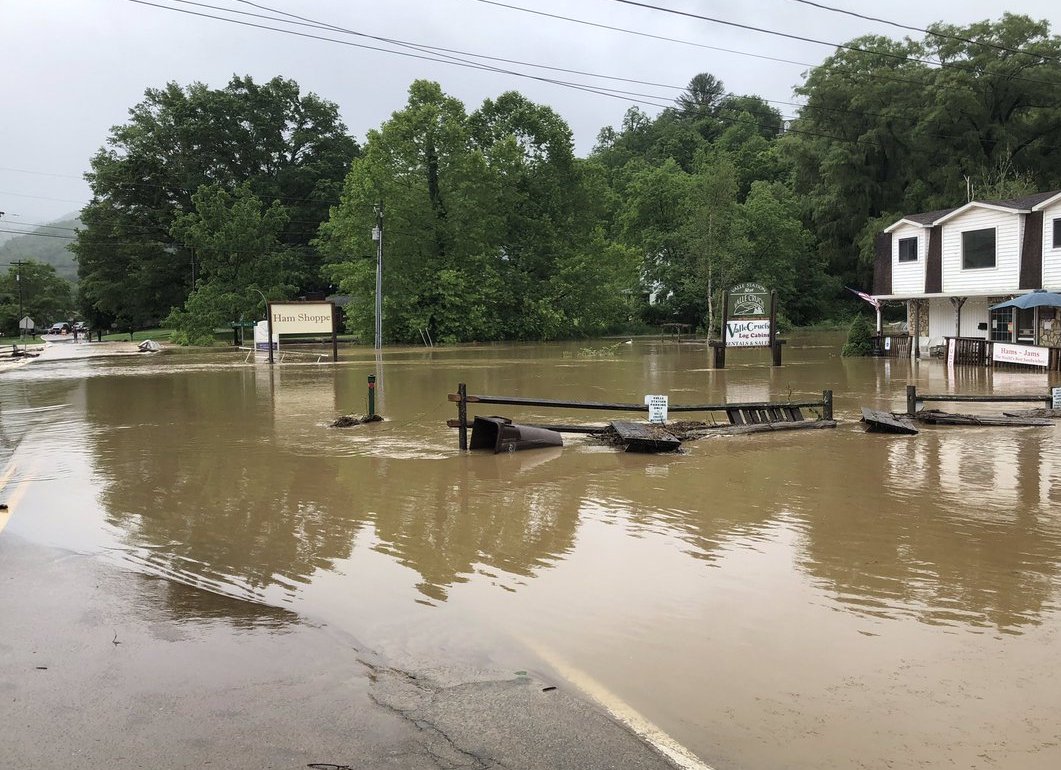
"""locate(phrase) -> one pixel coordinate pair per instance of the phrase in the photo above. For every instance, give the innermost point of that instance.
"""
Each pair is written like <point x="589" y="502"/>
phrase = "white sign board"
<point x="261" y="337"/>
<point x="301" y="317"/>
<point x="887" y="343"/>
<point x="1056" y="394"/>
<point x="26" y="324"/>
<point x="1020" y="354"/>
<point x="657" y="408"/>
<point x="748" y="334"/>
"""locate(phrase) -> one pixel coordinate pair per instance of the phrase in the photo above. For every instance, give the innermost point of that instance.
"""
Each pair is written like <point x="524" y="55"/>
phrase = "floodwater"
<point x="812" y="599"/>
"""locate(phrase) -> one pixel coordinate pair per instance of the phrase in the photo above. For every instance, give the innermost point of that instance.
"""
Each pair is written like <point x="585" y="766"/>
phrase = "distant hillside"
<point x="45" y="248"/>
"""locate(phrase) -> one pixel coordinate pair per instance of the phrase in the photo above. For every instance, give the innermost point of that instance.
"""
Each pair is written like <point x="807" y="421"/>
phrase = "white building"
<point x="950" y="266"/>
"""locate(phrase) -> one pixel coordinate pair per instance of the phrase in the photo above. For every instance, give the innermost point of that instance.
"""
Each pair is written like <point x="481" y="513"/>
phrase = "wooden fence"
<point x="760" y="412"/>
<point x="915" y="399"/>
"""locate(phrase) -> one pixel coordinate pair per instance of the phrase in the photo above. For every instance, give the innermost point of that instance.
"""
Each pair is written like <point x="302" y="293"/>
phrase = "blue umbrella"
<point x="1037" y="298"/>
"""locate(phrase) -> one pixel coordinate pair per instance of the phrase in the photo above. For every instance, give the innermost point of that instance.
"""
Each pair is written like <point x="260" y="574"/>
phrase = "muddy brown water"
<point x="804" y="600"/>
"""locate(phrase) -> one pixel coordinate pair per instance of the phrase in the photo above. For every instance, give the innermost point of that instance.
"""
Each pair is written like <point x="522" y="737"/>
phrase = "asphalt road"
<point x="101" y="667"/>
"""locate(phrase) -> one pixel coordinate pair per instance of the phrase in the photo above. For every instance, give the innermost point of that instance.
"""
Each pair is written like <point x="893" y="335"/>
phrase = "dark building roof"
<point x="1026" y="202"/>
<point x="1017" y="204"/>
<point x="929" y="217"/>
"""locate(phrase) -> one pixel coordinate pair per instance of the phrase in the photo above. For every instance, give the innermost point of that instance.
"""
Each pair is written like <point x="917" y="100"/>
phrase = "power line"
<point x="925" y="31"/>
<point x="324" y="25"/>
<point x="436" y="59"/>
<point x="639" y="33"/>
<point x="615" y="93"/>
<point x="39" y="235"/>
<point x="842" y="46"/>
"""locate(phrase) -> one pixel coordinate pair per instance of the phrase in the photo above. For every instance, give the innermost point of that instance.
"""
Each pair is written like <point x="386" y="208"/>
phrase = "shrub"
<point x="858" y="338"/>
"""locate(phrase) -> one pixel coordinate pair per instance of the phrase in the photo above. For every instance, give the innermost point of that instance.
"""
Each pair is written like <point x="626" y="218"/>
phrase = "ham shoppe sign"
<point x="749" y="315"/>
<point x="303" y="318"/>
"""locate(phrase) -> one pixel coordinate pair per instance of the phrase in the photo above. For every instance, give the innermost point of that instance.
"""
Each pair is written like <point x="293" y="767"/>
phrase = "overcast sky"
<point x="73" y="68"/>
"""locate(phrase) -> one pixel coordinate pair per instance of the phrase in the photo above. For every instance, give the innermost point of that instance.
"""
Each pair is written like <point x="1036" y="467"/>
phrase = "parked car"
<point x="60" y="328"/>
<point x="81" y="327"/>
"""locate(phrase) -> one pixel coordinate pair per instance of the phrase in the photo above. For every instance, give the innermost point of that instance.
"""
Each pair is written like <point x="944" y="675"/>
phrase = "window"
<point x="978" y="249"/>
<point x="1057" y="233"/>
<point x="1002" y="325"/>
<point x="908" y="249"/>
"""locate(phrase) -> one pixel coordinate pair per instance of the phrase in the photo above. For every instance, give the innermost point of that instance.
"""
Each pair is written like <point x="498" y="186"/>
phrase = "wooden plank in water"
<point x="1043" y="413"/>
<point x="886" y="422"/>
<point x="936" y="417"/>
<point x="642" y="437"/>
<point x="762" y="427"/>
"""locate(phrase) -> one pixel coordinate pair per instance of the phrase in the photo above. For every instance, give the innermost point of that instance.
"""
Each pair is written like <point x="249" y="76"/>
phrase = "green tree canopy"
<point x="883" y="131"/>
<point x="283" y="145"/>
<point x="491" y="226"/>
<point x="45" y="297"/>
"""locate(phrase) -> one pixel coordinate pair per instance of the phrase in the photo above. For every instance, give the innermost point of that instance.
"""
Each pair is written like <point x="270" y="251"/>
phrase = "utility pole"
<point x="18" y="280"/>
<point x="377" y="236"/>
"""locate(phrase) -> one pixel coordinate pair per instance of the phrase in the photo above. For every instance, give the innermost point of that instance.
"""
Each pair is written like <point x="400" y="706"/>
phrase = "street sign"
<point x="1056" y="395"/>
<point x="26" y="324"/>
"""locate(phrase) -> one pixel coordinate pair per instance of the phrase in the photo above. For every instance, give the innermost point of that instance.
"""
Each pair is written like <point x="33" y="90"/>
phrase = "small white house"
<point x="950" y="266"/>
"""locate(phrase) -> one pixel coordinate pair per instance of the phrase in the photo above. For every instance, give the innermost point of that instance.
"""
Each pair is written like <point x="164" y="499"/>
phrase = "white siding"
<point x="909" y="277"/>
<point x="1004" y="277"/>
<point x="974" y="312"/>
<point x="1051" y="256"/>
<point x="941" y="318"/>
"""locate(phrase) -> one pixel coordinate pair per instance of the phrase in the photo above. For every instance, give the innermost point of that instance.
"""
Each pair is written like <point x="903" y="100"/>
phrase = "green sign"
<point x="748" y="300"/>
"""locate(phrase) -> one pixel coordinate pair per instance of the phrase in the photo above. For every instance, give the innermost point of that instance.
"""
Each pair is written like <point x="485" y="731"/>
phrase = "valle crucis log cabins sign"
<point x="749" y="320"/>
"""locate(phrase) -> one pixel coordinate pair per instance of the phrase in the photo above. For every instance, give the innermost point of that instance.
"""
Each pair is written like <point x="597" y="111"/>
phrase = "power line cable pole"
<point x="377" y="236"/>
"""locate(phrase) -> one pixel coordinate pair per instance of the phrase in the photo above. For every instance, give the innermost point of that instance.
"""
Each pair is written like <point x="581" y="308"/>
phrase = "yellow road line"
<point x="13" y="499"/>
<point x="624" y="712"/>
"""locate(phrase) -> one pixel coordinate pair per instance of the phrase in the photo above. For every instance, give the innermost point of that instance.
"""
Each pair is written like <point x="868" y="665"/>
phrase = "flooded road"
<point x="814" y="599"/>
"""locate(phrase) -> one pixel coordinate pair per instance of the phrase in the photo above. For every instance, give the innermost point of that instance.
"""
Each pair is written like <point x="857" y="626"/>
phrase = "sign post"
<point x="1055" y="398"/>
<point x="749" y="320"/>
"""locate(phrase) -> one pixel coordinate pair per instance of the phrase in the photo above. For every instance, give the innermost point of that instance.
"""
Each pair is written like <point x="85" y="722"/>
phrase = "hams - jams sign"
<point x="748" y="316"/>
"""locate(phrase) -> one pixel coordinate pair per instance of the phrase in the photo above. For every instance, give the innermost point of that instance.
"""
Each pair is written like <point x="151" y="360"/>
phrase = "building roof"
<point x="1022" y="205"/>
<point x="1026" y="203"/>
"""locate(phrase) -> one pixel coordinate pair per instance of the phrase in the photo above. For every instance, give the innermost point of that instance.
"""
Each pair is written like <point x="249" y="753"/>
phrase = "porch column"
<point x="917" y="328"/>
<point x="957" y="302"/>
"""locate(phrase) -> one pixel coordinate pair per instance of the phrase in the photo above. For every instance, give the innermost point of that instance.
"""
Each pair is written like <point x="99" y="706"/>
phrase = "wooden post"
<point x="775" y="348"/>
<point x="462" y="415"/>
<point x="827" y="405"/>
<point x="720" y="351"/>
<point x="917" y="329"/>
<point x="269" y="326"/>
<point x="911" y="400"/>
<point x="372" y="395"/>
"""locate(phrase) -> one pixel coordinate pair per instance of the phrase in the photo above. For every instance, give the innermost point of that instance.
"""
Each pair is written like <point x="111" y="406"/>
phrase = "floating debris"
<point x="886" y="422"/>
<point x="936" y="417"/>
<point x="351" y="420"/>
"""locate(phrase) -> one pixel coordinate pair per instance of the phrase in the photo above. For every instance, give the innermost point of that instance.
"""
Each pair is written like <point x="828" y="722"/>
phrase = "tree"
<point x="286" y="146"/>
<point x="237" y="244"/>
<point x="701" y="97"/>
<point x="45" y="297"/>
<point x="882" y="131"/>
<point x="492" y="228"/>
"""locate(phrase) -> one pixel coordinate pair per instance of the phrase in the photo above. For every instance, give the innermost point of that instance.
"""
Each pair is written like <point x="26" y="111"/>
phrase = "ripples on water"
<point x="742" y="556"/>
